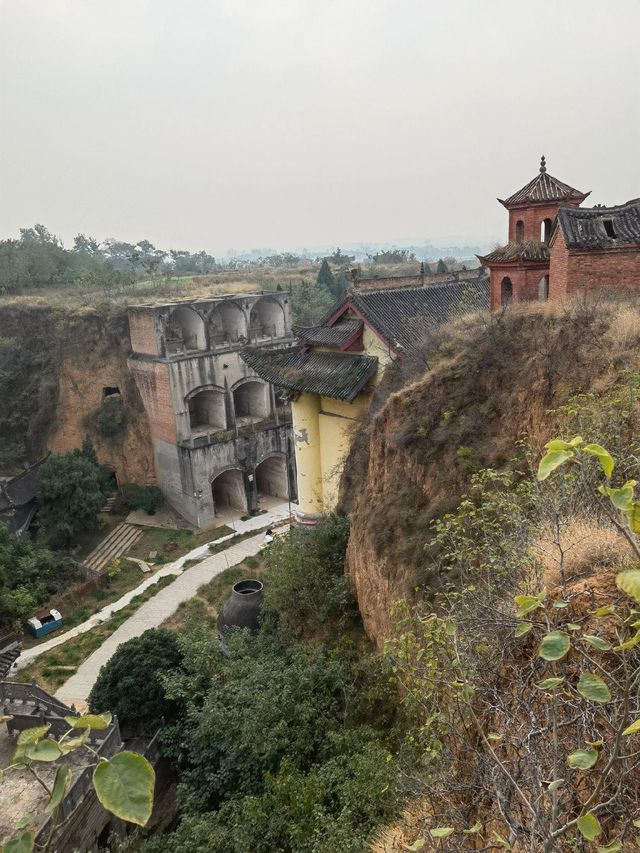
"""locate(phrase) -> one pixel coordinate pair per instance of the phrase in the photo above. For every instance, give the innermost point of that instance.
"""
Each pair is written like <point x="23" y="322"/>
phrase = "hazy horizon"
<point x="293" y="123"/>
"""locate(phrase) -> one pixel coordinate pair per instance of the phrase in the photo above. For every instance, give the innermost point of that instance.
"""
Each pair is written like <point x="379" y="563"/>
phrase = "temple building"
<point x="330" y="373"/>
<point x="557" y="249"/>
<point x="222" y="443"/>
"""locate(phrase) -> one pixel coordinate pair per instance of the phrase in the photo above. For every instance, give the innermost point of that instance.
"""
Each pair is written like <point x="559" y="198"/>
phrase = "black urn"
<point x="242" y="608"/>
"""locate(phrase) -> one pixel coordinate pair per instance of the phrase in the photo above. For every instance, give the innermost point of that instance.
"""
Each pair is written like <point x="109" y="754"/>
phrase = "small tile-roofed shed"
<point x="18" y="499"/>
<point x="328" y="374"/>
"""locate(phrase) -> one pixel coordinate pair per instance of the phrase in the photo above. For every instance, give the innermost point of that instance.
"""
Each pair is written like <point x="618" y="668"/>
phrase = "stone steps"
<point x="113" y="546"/>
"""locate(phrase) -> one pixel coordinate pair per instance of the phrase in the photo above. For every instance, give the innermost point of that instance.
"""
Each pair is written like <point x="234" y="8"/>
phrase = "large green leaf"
<point x="603" y="456"/>
<point x="589" y="826"/>
<point x="633" y="729"/>
<point x="60" y="787"/>
<point x="67" y="745"/>
<point x="582" y="759"/>
<point x="554" y="645"/>
<point x="32" y="735"/>
<point x="124" y="786"/>
<point x="523" y="628"/>
<point x="43" y="750"/>
<point x="23" y="844"/>
<point x="629" y="582"/>
<point x="621" y="498"/>
<point x="596" y="642"/>
<point x="90" y="721"/>
<point x="552" y="460"/>
<point x="442" y="831"/>
<point x="593" y="688"/>
<point x="613" y="847"/>
<point x="527" y="603"/>
<point x="550" y="683"/>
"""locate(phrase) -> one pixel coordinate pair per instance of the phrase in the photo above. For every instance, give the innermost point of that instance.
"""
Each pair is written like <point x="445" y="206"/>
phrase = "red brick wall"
<point x="532" y="217"/>
<point x="152" y="379"/>
<point x="142" y="330"/>
<point x="525" y="284"/>
<point x="574" y="272"/>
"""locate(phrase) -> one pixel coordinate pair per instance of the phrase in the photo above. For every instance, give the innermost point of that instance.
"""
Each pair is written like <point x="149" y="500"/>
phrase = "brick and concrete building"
<point x="221" y="439"/>
<point x="558" y="249"/>
<point x="332" y="371"/>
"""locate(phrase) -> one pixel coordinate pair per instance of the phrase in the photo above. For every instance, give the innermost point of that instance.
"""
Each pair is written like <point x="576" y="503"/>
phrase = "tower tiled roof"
<point x="543" y="188"/>
<point x="331" y="374"/>
<point x="601" y="227"/>
<point x="534" y="250"/>
<point x="404" y="317"/>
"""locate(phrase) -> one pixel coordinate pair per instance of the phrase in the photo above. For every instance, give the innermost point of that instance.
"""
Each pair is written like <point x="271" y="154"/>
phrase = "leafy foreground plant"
<point x="547" y="731"/>
<point x="123" y="784"/>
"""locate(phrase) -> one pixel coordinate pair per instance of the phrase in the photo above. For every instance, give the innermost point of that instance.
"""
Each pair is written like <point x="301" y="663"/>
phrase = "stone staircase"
<point x="117" y="543"/>
<point x="110" y="503"/>
<point x="9" y="652"/>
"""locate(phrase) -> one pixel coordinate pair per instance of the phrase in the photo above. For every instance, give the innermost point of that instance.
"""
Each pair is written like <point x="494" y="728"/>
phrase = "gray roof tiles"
<point x="601" y="227"/>
<point x="329" y="374"/>
<point x="333" y="336"/>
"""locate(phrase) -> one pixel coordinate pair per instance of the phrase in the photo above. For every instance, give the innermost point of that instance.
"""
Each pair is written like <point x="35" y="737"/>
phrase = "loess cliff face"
<point x="57" y="364"/>
<point x="490" y="382"/>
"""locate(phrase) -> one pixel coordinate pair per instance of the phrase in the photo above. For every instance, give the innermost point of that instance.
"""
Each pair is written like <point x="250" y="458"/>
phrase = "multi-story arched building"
<point x="221" y="440"/>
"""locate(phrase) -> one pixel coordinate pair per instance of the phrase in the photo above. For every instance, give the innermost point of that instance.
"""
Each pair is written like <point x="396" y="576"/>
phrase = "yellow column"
<point x="306" y="435"/>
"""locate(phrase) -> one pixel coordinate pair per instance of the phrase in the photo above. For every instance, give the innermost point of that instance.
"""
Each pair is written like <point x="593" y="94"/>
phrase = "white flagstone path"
<point x="153" y="612"/>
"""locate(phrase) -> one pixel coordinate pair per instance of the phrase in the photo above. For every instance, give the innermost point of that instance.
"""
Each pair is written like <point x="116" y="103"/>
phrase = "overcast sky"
<point x="224" y="124"/>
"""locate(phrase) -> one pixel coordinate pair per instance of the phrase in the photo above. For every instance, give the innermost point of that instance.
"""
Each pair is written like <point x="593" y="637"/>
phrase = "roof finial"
<point x="543" y="165"/>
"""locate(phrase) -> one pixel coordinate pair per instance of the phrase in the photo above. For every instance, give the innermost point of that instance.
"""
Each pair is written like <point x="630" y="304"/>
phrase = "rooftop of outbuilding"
<point x="601" y="227"/>
<point x="543" y="188"/>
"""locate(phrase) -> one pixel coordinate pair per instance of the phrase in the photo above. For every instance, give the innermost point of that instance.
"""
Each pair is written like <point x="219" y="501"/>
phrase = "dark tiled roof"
<point x="543" y="187"/>
<point x="531" y="251"/>
<point x="330" y="374"/>
<point x="22" y="489"/>
<point x="586" y="228"/>
<point x="405" y="316"/>
<point x="329" y="336"/>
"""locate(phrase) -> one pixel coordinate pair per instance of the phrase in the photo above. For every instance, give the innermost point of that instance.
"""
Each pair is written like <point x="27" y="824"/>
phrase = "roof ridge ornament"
<point x="543" y="165"/>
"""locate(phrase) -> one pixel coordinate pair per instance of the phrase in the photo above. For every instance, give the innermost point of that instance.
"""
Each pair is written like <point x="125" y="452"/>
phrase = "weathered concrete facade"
<point x="220" y="437"/>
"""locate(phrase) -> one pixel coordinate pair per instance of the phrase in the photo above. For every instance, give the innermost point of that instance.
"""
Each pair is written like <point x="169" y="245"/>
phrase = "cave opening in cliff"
<point x="110" y="391"/>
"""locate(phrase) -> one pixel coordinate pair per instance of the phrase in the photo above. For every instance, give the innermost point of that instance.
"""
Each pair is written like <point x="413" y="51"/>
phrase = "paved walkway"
<point x="153" y="613"/>
<point x="275" y="516"/>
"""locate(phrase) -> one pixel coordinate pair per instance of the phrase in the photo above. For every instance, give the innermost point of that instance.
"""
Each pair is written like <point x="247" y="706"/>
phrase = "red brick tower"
<point x="520" y="270"/>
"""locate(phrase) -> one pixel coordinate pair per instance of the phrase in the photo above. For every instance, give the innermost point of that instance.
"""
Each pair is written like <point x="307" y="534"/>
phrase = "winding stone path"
<point x="153" y="613"/>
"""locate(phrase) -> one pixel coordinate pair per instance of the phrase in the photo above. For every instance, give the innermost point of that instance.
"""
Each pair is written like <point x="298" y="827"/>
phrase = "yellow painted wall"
<point x="307" y="444"/>
<point x="323" y="429"/>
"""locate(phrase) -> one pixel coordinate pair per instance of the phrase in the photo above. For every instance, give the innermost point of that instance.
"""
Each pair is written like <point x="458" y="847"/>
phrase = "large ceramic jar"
<point x="242" y="608"/>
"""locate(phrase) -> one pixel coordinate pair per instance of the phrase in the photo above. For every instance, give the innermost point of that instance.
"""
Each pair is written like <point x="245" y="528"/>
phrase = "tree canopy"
<point x="70" y="495"/>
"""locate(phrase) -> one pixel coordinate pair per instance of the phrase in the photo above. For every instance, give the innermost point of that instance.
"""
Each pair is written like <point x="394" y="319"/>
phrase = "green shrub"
<point x="305" y="584"/>
<point x="148" y="498"/>
<point x="130" y="683"/>
<point x="110" y="419"/>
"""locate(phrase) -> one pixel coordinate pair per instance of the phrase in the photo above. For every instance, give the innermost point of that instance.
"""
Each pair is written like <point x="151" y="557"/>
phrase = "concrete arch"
<point x="228" y="491"/>
<point x="272" y="476"/>
<point x="227" y="324"/>
<point x="251" y="400"/>
<point x="266" y="319"/>
<point x="207" y="408"/>
<point x="185" y="330"/>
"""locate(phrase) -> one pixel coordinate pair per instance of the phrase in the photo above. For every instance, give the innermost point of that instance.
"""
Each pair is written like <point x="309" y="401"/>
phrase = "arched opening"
<point x="229" y="493"/>
<point x="185" y="331"/>
<point x="251" y="402"/>
<point x="207" y="411"/>
<point x="506" y="291"/>
<point x="267" y="320"/>
<point x="272" y="479"/>
<point x="227" y="324"/>
<point x="545" y="230"/>
<point x="543" y="288"/>
<point x="519" y="231"/>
